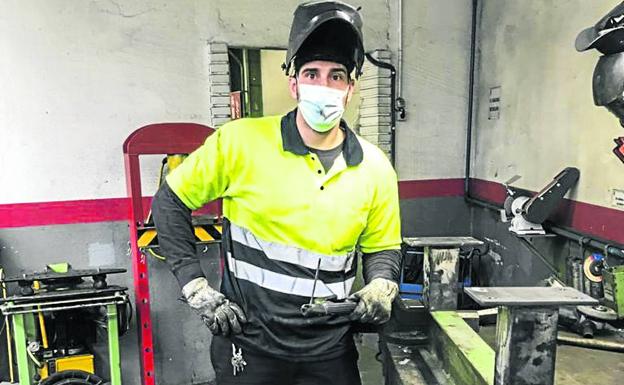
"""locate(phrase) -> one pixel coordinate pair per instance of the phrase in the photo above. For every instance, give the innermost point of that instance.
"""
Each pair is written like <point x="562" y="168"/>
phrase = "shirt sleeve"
<point x="204" y="174"/>
<point x="175" y="235"/>
<point x="383" y="227"/>
<point x="382" y="264"/>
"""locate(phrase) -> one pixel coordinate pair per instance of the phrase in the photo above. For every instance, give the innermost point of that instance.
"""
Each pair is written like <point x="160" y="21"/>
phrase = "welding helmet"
<point x="608" y="84"/>
<point x="607" y="35"/>
<point x="326" y="30"/>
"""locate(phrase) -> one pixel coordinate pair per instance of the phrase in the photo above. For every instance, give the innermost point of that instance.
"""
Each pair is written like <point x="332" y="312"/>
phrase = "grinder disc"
<point x="592" y="267"/>
<point x="598" y="312"/>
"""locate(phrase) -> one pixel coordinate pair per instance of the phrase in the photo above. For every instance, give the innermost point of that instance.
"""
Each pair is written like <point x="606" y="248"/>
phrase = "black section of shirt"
<point x="175" y="235"/>
<point x="327" y="157"/>
<point x="382" y="264"/>
<point x="292" y="141"/>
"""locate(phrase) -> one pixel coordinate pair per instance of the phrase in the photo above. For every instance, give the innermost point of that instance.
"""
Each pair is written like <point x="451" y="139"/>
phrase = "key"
<point x="238" y="362"/>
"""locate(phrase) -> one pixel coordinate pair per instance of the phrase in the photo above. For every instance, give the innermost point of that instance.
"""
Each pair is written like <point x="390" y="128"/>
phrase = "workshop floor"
<point x="575" y="366"/>
<point x="579" y="366"/>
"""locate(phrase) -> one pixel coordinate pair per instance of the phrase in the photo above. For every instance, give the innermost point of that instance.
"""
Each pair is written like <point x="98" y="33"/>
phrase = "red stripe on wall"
<point x="599" y="221"/>
<point x="117" y="209"/>
<point x="487" y="190"/>
<point x="78" y="211"/>
<point x="596" y="220"/>
<point x="429" y="188"/>
<point x="65" y="212"/>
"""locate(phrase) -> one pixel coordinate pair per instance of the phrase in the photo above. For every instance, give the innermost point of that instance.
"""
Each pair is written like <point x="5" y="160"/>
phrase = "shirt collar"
<point x="292" y="141"/>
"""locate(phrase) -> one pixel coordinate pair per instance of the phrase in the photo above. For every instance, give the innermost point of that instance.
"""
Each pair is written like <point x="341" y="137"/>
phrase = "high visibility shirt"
<point x="284" y="217"/>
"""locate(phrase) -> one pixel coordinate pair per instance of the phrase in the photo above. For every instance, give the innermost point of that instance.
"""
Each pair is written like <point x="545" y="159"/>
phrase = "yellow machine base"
<point x="82" y="362"/>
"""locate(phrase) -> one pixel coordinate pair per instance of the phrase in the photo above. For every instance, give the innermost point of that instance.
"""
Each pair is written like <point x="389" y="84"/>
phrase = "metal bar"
<point x="198" y="243"/>
<point x="19" y="336"/>
<point x="133" y="180"/>
<point x="591" y="343"/>
<point x="442" y="242"/>
<point x="113" y="345"/>
<point x="466" y="357"/>
<point x="528" y="296"/>
<point x="526" y="339"/>
<point x="8" y="331"/>
<point x="140" y="272"/>
<point x="63" y="307"/>
<point x="245" y="86"/>
<point x="60" y="302"/>
<point x="164" y="138"/>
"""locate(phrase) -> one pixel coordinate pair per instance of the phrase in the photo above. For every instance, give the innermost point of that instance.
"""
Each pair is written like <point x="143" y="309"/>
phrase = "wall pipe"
<point x="608" y="248"/>
<point x="473" y="48"/>
<point x="393" y="109"/>
<point x="399" y="88"/>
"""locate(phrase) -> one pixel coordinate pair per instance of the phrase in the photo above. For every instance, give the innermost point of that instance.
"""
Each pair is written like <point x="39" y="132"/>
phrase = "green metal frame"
<point x="465" y="356"/>
<point x="113" y="344"/>
<point x="24" y="328"/>
<point x="24" y="366"/>
<point x="613" y="280"/>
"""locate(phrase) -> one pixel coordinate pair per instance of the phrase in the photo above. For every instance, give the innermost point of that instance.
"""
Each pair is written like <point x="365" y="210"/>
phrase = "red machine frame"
<point x="163" y="138"/>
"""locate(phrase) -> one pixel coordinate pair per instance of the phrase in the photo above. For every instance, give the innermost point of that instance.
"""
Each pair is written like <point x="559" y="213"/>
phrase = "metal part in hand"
<point x="238" y="362"/>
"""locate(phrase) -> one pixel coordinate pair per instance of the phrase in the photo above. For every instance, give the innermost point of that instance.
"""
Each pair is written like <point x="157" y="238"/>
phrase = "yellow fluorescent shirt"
<point x="275" y="188"/>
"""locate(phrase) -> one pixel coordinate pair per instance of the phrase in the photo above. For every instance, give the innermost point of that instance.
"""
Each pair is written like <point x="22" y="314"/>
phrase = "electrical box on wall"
<point x="495" y="95"/>
<point x="617" y="198"/>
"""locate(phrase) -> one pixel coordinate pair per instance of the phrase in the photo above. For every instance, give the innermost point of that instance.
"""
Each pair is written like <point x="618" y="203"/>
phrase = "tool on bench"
<point x="527" y="211"/>
<point x="326" y="306"/>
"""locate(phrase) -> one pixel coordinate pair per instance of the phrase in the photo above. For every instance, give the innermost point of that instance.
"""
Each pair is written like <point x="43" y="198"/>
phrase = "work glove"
<point x="374" y="301"/>
<point x="220" y="315"/>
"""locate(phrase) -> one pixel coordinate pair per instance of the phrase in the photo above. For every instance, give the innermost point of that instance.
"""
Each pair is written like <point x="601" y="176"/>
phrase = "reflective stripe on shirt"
<point x="292" y="254"/>
<point x="287" y="284"/>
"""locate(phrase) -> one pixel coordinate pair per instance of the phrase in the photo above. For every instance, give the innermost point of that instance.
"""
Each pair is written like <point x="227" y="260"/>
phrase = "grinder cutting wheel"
<point x="592" y="267"/>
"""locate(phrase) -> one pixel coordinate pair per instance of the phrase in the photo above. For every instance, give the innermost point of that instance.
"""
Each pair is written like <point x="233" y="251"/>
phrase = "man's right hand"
<point x="220" y="315"/>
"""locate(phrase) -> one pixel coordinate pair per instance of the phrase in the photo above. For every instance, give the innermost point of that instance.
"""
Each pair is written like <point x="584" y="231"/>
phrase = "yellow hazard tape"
<point x="146" y="238"/>
<point x="203" y="235"/>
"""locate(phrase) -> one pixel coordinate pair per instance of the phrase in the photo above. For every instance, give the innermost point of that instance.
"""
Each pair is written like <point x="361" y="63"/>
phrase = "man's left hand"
<point x="375" y="301"/>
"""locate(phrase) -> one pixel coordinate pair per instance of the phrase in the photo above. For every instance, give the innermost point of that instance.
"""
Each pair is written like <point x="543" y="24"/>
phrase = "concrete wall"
<point x="435" y="217"/>
<point x="436" y="51"/>
<point x="548" y="119"/>
<point x="509" y="262"/>
<point x="83" y="75"/>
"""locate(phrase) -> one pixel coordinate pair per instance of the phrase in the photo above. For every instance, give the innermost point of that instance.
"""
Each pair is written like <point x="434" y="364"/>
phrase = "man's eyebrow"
<point x="335" y="70"/>
<point x="310" y="70"/>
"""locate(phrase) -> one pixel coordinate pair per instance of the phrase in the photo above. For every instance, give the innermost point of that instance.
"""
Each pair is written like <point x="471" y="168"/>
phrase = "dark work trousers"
<point x="265" y="370"/>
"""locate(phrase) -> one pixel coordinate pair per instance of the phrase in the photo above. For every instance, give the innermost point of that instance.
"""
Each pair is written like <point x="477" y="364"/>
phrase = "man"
<point x="607" y="37"/>
<point x="300" y="192"/>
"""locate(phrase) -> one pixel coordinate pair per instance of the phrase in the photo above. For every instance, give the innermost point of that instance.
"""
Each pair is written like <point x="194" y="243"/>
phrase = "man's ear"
<point x="350" y="90"/>
<point x="292" y="87"/>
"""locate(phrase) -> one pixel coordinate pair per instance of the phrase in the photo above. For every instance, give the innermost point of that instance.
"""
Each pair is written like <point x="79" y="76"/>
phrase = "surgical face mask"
<point x="321" y="107"/>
